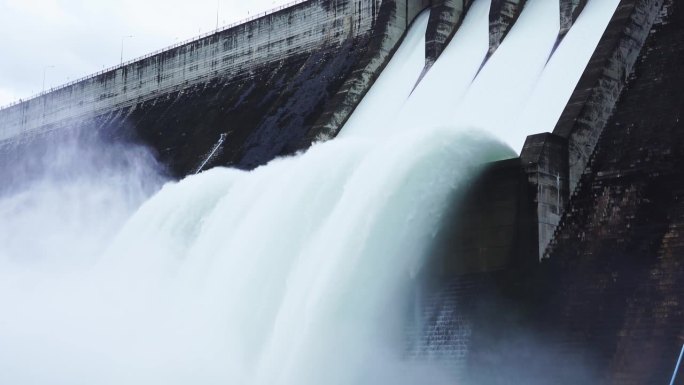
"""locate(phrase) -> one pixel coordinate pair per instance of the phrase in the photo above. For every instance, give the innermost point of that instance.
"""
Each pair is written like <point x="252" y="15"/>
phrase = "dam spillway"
<point x="371" y="198"/>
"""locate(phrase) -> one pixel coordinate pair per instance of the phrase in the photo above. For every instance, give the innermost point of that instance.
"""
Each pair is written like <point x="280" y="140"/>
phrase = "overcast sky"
<point x="69" y="39"/>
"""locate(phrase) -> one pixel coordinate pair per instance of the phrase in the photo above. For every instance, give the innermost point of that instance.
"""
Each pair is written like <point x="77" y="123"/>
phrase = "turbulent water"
<point x="294" y="273"/>
<point x="285" y="275"/>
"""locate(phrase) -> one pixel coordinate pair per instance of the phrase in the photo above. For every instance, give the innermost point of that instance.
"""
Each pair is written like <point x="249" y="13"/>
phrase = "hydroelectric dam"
<point x="357" y="192"/>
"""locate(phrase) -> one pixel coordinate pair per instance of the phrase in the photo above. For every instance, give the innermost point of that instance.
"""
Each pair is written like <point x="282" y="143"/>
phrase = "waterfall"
<point x="509" y="76"/>
<point x="294" y="273"/>
<point x="444" y="86"/>
<point x="561" y="74"/>
<point x="377" y="112"/>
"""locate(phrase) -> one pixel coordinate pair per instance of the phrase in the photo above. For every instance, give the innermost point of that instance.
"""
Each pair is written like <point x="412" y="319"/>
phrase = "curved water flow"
<point x="295" y="273"/>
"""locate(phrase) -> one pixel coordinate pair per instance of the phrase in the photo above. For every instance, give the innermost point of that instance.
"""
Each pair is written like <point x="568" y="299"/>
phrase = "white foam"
<point x="556" y="84"/>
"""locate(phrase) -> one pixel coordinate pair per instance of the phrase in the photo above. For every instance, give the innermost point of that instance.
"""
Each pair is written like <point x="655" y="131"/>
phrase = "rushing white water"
<point x="285" y="275"/>
<point x="376" y="113"/>
<point x="505" y="82"/>
<point x="561" y="74"/>
<point x="443" y="87"/>
<point x="431" y="102"/>
<point x="291" y="274"/>
<point x="522" y="89"/>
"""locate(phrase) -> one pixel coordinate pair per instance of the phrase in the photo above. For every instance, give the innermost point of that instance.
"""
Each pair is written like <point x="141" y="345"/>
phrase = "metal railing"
<point x="676" y="370"/>
<point x="159" y="51"/>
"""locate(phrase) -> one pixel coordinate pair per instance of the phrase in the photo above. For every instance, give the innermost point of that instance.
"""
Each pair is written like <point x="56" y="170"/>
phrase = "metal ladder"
<point x="211" y="154"/>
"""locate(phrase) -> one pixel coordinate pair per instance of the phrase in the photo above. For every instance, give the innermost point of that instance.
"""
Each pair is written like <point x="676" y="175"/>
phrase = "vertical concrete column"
<point x="414" y="7"/>
<point x="545" y="160"/>
<point x="502" y="15"/>
<point x="445" y="18"/>
<point x="569" y="11"/>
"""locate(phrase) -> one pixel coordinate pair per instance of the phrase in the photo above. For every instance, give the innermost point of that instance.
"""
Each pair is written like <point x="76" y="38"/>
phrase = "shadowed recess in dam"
<point x="505" y="82"/>
<point x="295" y="273"/>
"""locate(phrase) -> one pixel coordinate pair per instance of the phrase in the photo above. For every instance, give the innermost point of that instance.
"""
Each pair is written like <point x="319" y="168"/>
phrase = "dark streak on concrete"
<point x="502" y="15"/>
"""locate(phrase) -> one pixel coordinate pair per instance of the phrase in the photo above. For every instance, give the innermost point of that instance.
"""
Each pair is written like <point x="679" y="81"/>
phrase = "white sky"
<point x="75" y="38"/>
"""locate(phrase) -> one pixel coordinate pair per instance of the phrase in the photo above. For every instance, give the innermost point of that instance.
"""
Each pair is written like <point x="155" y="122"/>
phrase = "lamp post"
<point x="45" y="73"/>
<point x="122" y="44"/>
<point x="218" y="5"/>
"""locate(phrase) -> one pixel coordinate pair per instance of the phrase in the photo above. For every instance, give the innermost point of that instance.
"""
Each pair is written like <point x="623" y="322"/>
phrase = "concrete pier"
<point x="445" y="19"/>
<point x="502" y="15"/>
<point x="569" y="12"/>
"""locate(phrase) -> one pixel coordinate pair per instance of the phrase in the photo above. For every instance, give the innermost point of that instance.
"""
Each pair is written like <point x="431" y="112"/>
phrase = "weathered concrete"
<point x="513" y="208"/>
<point x="545" y="159"/>
<point x="569" y="12"/>
<point x="445" y="18"/>
<point x="301" y="29"/>
<point x="599" y="88"/>
<point x="617" y="264"/>
<point x="502" y="15"/>
<point x="268" y="87"/>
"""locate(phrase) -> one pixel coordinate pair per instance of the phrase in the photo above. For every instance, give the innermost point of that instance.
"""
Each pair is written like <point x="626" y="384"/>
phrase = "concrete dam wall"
<point x="605" y="303"/>
<point x="269" y="86"/>
<point x="597" y="201"/>
<point x="252" y="92"/>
